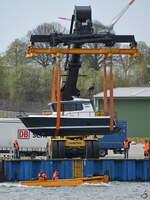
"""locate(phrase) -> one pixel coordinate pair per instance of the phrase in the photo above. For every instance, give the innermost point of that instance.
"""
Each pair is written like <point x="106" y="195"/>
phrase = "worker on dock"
<point x="56" y="175"/>
<point x="126" y="146"/>
<point x="146" y="149"/>
<point x="16" y="149"/>
<point x="42" y="176"/>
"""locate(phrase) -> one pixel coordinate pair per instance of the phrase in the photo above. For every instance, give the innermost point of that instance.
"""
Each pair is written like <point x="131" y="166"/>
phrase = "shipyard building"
<point x="131" y="104"/>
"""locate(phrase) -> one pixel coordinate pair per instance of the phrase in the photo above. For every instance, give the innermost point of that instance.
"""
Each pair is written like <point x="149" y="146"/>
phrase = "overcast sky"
<point x="17" y="17"/>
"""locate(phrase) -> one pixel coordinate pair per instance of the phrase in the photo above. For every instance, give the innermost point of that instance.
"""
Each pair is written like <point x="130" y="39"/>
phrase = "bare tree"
<point x="45" y="29"/>
<point x="96" y="61"/>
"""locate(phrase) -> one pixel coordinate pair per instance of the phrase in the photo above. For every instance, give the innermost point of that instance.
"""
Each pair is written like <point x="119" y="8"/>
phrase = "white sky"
<point x="17" y="17"/>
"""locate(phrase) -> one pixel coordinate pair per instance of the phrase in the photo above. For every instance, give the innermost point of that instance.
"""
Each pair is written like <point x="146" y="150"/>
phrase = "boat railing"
<point x="102" y="113"/>
<point x="79" y="114"/>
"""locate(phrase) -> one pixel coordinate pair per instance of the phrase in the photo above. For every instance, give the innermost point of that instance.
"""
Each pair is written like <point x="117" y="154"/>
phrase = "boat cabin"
<point x="75" y="107"/>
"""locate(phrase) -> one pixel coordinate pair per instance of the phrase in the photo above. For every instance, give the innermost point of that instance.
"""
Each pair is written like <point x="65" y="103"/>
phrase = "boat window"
<point x="51" y="109"/>
<point x="68" y="107"/>
<point x="79" y="107"/>
<point x="54" y="106"/>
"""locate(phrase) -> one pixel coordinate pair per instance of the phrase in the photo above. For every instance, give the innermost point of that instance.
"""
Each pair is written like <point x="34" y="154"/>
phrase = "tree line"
<point x="29" y="80"/>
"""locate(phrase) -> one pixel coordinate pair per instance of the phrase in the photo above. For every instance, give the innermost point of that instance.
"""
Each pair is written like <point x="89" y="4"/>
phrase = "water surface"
<point x="110" y="191"/>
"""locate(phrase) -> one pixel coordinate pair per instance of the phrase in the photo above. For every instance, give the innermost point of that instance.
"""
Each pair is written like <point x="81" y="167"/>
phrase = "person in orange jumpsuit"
<point x="42" y="176"/>
<point x="146" y="149"/>
<point x="56" y="175"/>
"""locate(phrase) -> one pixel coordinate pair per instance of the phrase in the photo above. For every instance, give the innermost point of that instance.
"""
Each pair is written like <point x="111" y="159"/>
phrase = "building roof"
<point x="128" y="92"/>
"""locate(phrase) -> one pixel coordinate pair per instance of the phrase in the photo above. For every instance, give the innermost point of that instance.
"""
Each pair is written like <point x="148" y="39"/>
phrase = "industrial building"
<point x="131" y="104"/>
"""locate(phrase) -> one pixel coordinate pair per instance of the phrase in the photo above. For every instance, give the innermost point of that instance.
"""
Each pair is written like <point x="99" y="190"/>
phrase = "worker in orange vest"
<point x="16" y="149"/>
<point x="146" y="149"/>
<point x="149" y="149"/>
<point x="126" y="148"/>
<point x="42" y="176"/>
<point x="56" y="175"/>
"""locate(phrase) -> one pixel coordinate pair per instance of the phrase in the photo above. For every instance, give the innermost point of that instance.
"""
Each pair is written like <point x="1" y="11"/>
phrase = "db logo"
<point x="23" y="134"/>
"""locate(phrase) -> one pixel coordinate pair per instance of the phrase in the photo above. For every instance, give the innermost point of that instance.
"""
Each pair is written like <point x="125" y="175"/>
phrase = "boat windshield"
<point x="68" y="107"/>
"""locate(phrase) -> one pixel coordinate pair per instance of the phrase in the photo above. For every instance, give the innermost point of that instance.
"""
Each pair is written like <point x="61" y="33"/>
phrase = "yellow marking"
<point x="100" y="136"/>
<point x="77" y="168"/>
<point x="35" y="149"/>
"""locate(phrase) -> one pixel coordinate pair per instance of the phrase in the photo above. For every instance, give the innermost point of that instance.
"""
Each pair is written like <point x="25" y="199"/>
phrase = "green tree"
<point x="3" y="82"/>
<point x="139" y="70"/>
<point x="90" y="78"/>
<point x="24" y="83"/>
<point x="16" y="54"/>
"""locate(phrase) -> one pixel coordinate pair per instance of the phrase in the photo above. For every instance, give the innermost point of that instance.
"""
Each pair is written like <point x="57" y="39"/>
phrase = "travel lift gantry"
<point x="83" y="33"/>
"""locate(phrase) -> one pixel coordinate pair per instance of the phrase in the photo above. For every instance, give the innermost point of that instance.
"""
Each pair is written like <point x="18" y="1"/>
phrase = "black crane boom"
<point x="82" y="33"/>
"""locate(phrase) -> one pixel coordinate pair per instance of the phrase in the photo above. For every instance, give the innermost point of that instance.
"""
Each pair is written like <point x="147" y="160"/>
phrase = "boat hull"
<point x="67" y="182"/>
<point x="46" y="126"/>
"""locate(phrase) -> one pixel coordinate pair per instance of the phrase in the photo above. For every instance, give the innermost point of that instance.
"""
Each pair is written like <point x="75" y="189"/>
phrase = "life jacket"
<point x="16" y="146"/>
<point x="45" y="177"/>
<point x="146" y="147"/>
<point x="126" y="144"/>
<point x="55" y="175"/>
<point x="42" y="176"/>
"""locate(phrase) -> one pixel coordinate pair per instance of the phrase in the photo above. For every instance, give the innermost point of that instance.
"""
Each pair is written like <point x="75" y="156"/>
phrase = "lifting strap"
<point x="53" y="82"/>
<point x="58" y="101"/>
<point x="105" y="88"/>
<point x="111" y="98"/>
